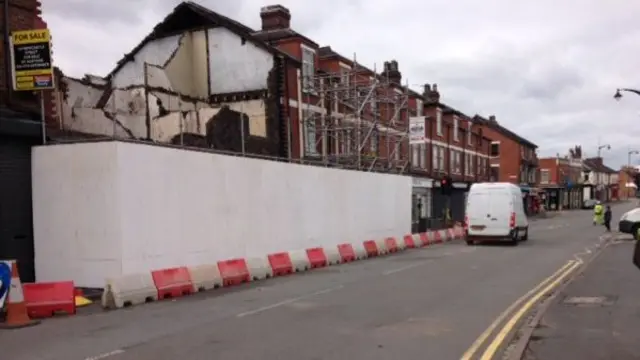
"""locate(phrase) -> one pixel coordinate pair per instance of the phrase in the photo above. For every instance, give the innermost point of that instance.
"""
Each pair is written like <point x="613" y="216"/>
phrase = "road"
<point x="429" y="303"/>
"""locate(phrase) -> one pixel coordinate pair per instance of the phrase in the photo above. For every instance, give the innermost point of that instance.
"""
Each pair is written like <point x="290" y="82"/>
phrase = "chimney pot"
<point x="275" y="17"/>
<point x="427" y="89"/>
<point x="492" y="118"/>
<point x="435" y="87"/>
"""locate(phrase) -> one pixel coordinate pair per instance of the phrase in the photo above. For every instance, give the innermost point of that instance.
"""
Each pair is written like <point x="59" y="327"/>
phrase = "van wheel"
<point x="526" y="234"/>
<point x="514" y="239"/>
<point x="470" y="242"/>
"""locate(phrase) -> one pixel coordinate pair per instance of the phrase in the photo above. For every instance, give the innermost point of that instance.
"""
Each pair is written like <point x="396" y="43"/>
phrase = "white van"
<point x="495" y="211"/>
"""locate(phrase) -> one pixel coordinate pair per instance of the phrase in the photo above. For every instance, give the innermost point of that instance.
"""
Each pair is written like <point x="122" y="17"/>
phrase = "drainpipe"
<point x="7" y="54"/>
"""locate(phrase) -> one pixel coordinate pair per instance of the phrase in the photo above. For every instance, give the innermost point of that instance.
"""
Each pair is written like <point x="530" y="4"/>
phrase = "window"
<point x="396" y="151"/>
<point x="423" y="155"/>
<point x="532" y="177"/>
<point x="347" y="142"/>
<point x="456" y="129"/>
<point x="458" y="162"/>
<point x="470" y="134"/>
<point x="469" y="165"/>
<point x="309" y="133"/>
<point x="438" y="158"/>
<point x="419" y="107"/>
<point x="544" y="176"/>
<point x="374" y="142"/>
<point x="439" y="122"/>
<point x="344" y="76"/>
<point x="308" y="68"/>
<point x="415" y="155"/>
<point x="495" y="148"/>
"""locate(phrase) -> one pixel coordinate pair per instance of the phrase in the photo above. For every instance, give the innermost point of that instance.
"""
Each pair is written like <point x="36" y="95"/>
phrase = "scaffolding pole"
<point x="353" y="119"/>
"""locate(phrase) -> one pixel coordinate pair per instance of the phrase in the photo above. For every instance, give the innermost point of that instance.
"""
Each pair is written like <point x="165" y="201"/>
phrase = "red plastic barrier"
<point x="47" y="299"/>
<point x="391" y="244"/>
<point x="234" y="272"/>
<point x="317" y="257"/>
<point x="347" y="254"/>
<point x="424" y="239"/>
<point x="451" y="234"/>
<point x="437" y="238"/>
<point x="173" y="282"/>
<point x="280" y="263"/>
<point x="371" y="248"/>
<point x="408" y="242"/>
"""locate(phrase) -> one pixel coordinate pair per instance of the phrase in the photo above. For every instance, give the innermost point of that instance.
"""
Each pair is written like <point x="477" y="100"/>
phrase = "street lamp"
<point x="607" y="147"/>
<point x="618" y="94"/>
<point x="631" y="152"/>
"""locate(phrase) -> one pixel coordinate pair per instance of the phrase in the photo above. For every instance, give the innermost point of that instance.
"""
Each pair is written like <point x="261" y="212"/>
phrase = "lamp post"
<point x="631" y="152"/>
<point x="600" y="147"/>
<point x="618" y="94"/>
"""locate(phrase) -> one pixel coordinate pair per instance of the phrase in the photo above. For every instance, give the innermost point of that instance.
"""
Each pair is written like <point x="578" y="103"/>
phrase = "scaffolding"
<point x="356" y="119"/>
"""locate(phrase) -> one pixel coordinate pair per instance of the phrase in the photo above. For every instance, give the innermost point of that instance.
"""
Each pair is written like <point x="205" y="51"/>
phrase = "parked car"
<point x="589" y="204"/>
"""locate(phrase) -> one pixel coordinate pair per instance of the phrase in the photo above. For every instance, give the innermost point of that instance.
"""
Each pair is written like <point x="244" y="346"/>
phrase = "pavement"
<point x="429" y="303"/>
<point x="596" y="316"/>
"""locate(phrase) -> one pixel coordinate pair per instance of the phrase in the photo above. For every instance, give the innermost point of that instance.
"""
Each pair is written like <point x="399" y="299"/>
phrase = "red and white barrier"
<point x="175" y="282"/>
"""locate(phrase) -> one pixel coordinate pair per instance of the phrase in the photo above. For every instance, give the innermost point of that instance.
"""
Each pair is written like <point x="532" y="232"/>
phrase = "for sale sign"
<point x="31" y="60"/>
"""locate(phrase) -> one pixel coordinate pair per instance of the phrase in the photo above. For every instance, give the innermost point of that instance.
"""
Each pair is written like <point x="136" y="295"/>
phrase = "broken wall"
<point x="163" y="91"/>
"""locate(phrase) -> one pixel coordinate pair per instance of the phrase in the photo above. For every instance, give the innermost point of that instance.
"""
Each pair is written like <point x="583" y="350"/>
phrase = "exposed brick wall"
<point x="509" y="158"/>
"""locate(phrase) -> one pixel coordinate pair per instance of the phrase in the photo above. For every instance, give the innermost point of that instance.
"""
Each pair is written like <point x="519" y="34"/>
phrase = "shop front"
<point x="421" y="196"/>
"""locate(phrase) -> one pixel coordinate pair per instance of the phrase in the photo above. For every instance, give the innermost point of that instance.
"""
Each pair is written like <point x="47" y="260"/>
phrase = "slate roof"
<point x="503" y="130"/>
<point x="595" y="164"/>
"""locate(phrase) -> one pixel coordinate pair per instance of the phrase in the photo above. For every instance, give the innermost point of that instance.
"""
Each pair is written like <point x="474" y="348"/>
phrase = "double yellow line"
<point x="534" y="295"/>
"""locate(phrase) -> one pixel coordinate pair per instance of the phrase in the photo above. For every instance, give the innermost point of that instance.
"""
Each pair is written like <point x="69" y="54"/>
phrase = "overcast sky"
<point x="547" y="69"/>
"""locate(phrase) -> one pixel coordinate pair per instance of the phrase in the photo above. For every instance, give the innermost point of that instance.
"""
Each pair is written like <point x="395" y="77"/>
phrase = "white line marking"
<point x="106" y="355"/>
<point x="288" y="301"/>
<point x="389" y="272"/>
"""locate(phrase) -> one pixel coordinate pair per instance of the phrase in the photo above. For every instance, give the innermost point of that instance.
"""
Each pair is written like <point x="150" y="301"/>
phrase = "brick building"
<point x="562" y="181"/>
<point x="457" y="147"/>
<point x="513" y="158"/>
<point x="20" y="129"/>
<point x="626" y="182"/>
<point x="346" y="115"/>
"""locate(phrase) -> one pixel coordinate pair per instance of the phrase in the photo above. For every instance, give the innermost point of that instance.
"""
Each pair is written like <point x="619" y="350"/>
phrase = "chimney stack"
<point x="275" y="17"/>
<point x="392" y="72"/>
<point x="431" y="94"/>
<point x="492" y="118"/>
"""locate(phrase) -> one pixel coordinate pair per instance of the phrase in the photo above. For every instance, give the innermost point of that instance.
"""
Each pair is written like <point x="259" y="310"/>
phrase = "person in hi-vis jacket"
<point x="598" y="214"/>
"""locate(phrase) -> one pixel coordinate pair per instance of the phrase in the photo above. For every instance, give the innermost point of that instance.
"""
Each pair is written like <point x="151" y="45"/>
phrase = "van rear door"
<point x="489" y="212"/>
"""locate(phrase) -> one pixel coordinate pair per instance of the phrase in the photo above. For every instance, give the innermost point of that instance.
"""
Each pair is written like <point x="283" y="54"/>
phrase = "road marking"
<point x="288" y="301"/>
<point x="394" y="271"/>
<point x="106" y="355"/>
<point x="483" y="337"/>
<point x="492" y="348"/>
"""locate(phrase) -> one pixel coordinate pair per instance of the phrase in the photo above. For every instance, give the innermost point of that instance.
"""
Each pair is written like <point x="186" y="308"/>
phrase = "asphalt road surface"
<point x="429" y="303"/>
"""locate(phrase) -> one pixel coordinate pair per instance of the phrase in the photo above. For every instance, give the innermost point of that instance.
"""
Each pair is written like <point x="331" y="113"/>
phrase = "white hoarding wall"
<point x="110" y="208"/>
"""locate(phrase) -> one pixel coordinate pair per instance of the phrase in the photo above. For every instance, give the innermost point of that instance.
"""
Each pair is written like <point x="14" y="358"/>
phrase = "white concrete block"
<point x="299" y="260"/>
<point x="128" y="290"/>
<point x="417" y="240"/>
<point x="382" y="247"/>
<point x="205" y="277"/>
<point x="401" y="244"/>
<point x="259" y="268"/>
<point x="333" y="255"/>
<point x="358" y="248"/>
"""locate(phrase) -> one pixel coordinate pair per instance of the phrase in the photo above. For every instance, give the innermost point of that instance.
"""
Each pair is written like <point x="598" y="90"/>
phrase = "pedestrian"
<point x="598" y="214"/>
<point x="607" y="218"/>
